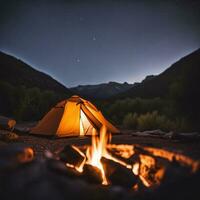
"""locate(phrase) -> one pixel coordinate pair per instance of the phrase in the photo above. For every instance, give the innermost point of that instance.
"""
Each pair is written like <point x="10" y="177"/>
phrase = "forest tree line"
<point x="26" y="104"/>
<point x="179" y="110"/>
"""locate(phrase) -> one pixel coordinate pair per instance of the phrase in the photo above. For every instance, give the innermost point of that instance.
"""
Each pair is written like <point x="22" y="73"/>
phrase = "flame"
<point x="80" y="167"/>
<point x="99" y="148"/>
<point x="97" y="151"/>
<point x="144" y="164"/>
<point x="149" y="172"/>
<point x="136" y="168"/>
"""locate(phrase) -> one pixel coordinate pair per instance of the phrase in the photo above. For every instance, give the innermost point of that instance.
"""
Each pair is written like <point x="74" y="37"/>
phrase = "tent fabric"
<point x="72" y="117"/>
<point x="49" y="124"/>
<point x="85" y="125"/>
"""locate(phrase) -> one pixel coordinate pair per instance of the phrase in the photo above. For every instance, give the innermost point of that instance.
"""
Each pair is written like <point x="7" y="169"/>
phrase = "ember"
<point x="130" y="166"/>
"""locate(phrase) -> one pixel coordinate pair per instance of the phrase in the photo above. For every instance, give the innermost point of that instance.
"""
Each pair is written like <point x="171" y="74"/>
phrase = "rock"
<point x="14" y="154"/>
<point x="155" y="132"/>
<point x="48" y="154"/>
<point x="16" y="182"/>
<point x="188" y="136"/>
<point x="169" y="135"/>
<point x="7" y="123"/>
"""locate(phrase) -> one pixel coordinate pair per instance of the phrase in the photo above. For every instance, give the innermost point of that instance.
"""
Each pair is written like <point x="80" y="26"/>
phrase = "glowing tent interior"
<point x="72" y="117"/>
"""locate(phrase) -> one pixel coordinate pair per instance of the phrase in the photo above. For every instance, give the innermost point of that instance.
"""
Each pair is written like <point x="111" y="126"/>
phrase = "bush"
<point x="120" y="108"/>
<point x="130" y="120"/>
<point x="156" y="113"/>
<point x="153" y="120"/>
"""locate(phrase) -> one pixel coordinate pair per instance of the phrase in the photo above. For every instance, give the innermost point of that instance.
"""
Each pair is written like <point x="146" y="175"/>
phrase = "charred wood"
<point x="71" y="156"/>
<point x="118" y="174"/>
<point x="92" y="174"/>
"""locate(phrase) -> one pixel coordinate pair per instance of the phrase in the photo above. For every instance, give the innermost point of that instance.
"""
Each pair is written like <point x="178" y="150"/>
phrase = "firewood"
<point x="118" y="174"/>
<point x="59" y="167"/>
<point x="71" y="156"/>
<point x="153" y="172"/>
<point x="140" y="150"/>
<point x="113" y="154"/>
<point x="92" y="174"/>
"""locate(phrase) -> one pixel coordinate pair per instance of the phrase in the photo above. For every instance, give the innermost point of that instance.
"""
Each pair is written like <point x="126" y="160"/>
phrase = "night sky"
<point x="88" y="42"/>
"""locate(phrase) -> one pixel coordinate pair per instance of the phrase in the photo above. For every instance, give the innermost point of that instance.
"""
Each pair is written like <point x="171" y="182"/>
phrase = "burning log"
<point x="118" y="174"/>
<point x="71" y="155"/>
<point x="115" y="155"/>
<point x="123" y="150"/>
<point x="149" y="172"/>
<point x="140" y="150"/>
<point x="172" y="156"/>
<point x="149" y="168"/>
<point x="130" y="166"/>
<point x="92" y="174"/>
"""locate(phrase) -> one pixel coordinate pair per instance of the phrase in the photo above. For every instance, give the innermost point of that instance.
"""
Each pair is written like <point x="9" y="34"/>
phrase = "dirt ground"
<point x="40" y="143"/>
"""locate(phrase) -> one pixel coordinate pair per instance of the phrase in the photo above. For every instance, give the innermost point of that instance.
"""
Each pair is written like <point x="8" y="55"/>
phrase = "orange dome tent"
<point x="72" y="117"/>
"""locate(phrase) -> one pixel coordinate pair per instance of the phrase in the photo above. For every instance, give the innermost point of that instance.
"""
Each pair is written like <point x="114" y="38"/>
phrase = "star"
<point x="78" y="60"/>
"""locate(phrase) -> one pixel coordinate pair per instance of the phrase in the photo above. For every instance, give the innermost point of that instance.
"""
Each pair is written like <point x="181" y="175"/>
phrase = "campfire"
<point x="130" y="166"/>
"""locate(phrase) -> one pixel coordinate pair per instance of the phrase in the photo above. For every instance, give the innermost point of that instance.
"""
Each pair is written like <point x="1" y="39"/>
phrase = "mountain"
<point x="16" y="73"/>
<point x="178" y="92"/>
<point x="25" y="93"/>
<point x="184" y="72"/>
<point x="101" y="91"/>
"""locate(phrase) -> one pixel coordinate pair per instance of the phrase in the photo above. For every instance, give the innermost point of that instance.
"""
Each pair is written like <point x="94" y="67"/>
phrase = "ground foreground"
<point x="37" y="179"/>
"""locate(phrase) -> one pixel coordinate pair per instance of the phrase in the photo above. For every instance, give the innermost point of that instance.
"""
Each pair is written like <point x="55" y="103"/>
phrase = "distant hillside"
<point x="16" y="73"/>
<point x="101" y="91"/>
<point x="186" y="69"/>
<point x="172" y="97"/>
<point x="25" y="93"/>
